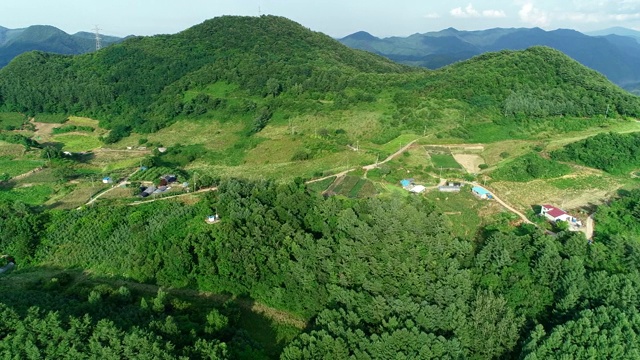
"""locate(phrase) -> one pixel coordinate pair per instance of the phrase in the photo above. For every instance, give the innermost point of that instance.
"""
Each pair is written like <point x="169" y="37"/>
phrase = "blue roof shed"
<point x="481" y="191"/>
<point x="405" y="182"/>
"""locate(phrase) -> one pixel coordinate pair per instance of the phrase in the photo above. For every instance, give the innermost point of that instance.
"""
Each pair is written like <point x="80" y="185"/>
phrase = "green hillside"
<point x="537" y="82"/>
<point x="142" y="80"/>
<point x="272" y="63"/>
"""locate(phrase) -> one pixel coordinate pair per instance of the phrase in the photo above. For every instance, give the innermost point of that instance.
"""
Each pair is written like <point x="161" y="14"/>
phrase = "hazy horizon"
<point x="334" y="18"/>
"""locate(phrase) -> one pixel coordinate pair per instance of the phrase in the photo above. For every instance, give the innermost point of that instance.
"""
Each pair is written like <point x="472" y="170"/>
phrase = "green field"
<point x="320" y="186"/>
<point x="14" y="167"/>
<point x="33" y="195"/>
<point x="77" y="142"/>
<point x="445" y="161"/>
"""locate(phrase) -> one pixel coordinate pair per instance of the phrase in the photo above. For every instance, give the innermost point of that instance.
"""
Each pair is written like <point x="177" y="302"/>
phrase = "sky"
<point x="336" y="18"/>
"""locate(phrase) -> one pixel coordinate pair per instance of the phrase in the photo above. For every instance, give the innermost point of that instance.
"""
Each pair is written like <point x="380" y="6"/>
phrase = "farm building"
<point x="408" y="185"/>
<point x="450" y="187"/>
<point x="555" y="214"/>
<point x="481" y="192"/>
<point x="107" y="180"/>
<point x="148" y="191"/>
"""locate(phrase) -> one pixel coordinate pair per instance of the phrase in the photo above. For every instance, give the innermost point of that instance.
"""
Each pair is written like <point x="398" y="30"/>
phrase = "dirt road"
<point x="504" y="204"/>
<point x="215" y="188"/>
<point x="125" y="181"/>
<point x="390" y="157"/>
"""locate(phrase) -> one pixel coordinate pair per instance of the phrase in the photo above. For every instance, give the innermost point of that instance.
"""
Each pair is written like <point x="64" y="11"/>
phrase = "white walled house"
<point x="555" y="214"/>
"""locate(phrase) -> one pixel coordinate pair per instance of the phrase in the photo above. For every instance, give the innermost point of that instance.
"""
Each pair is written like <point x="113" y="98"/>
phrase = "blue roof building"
<point x="481" y="192"/>
<point x="405" y="183"/>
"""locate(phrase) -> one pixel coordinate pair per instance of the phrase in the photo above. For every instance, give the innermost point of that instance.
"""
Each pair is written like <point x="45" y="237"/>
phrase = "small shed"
<point x="107" y="180"/>
<point x="481" y="192"/>
<point x="212" y="219"/>
<point x="450" y="187"/>
<point x="162" y="149"/>
<point x="417" y="189"/>
<point x="405" y="183"/>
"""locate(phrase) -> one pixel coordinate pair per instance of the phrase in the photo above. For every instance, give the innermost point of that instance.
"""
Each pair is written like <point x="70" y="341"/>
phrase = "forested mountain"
<point x="618" y="59"/>
<point x="143" y="79"/>
<point x="14" y="42"/>
<point x="143" y="84"/>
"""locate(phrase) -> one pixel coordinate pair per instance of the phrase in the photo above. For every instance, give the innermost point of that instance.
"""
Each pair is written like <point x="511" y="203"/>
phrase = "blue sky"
<point x="333" y="17"/>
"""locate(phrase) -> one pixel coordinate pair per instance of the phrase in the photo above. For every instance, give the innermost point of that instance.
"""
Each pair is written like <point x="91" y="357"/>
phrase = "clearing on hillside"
<point x="470" y="162"/>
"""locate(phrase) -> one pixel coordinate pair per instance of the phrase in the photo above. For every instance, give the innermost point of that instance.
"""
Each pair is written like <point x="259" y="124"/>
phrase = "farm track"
<point x="214" y="188"/>
<point x="30" y="172"/>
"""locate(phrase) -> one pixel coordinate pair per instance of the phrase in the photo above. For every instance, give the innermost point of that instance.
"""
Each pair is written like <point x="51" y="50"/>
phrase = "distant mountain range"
<point x="14" y="42"/>
<point x="614" y="52"/>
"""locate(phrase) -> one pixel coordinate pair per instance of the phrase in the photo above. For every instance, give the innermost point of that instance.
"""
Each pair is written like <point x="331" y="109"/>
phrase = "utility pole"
<point x="606" y="114"/>
<point x="194" y="181"/>
<point x="357" y="145"/>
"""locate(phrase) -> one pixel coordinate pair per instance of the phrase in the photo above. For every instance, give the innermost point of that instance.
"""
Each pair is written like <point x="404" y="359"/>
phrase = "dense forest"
<point x="145" y="83"/>
<point x="612" y="152"/>
<point x="375" y="278"/>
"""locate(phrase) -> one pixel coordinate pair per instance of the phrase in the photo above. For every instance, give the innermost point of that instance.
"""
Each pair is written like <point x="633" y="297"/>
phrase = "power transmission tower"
<point x="98" y="38"/>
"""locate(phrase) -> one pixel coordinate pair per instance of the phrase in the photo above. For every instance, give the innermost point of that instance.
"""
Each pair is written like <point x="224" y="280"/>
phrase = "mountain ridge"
<point x="614" y="57"/>
<point x="14" y="42"/>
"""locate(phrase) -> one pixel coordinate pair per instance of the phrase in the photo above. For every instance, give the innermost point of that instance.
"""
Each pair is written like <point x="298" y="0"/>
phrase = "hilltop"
<point x="607" y="52"/>
<point x="14" y="42"/>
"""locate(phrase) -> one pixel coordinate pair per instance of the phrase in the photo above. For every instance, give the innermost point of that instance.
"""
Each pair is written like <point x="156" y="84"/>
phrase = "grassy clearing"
<point x="445" y="161"/>
<point x="463" y="211"/>
<point x="212" y="134"/>
<point x="573" y="191"/>
<point x="78" y="142"/>
<point x="14" y="167"/>
<point x="33" y="195"/>
<point x="82" y="121"/>
<point x="11" y="150"/>
<point x="614" y="126"/>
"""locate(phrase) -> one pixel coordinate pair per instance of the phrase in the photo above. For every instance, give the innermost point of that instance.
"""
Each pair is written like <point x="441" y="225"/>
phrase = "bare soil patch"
<point x="470" y="162"/>
<point x="44" y="130"/>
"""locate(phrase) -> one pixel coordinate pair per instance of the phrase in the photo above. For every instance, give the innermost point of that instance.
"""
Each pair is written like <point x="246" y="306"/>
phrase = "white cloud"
<point x="432" y="16"/>
<point x="624" y="17"/>
<point x="469" y="11"/>
<point x="532" y="15"/>
<point x="494" y="13"/>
